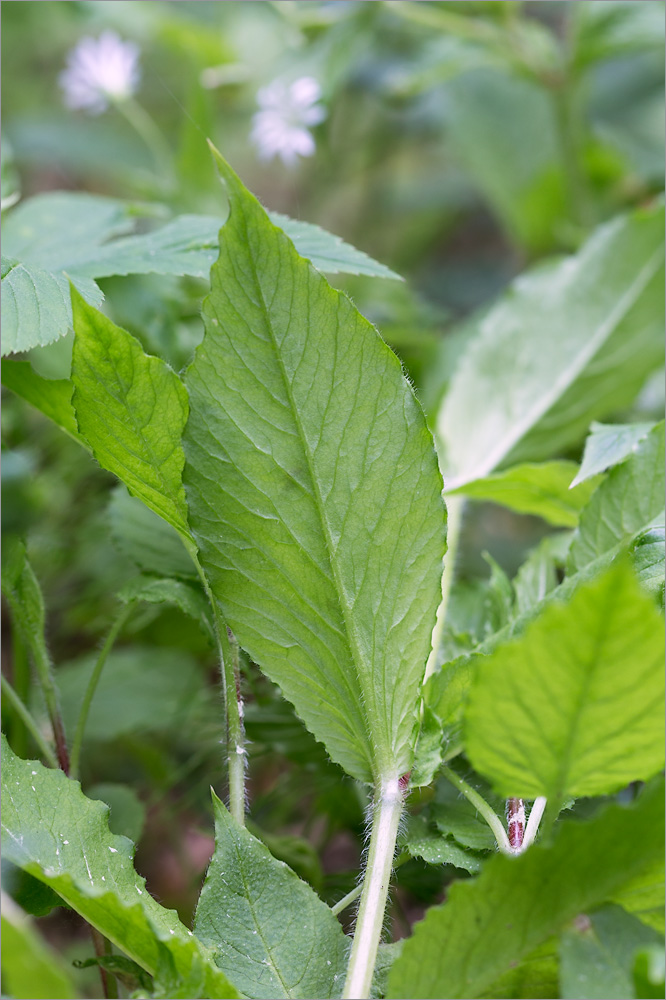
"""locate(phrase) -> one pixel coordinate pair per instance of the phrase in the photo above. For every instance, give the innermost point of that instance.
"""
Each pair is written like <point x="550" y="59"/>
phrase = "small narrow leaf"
<point x="575" y="706"/>
<point x="570" y="343"/>
<point x="628" y="502"/>
<point x="268" y="930"/>
<point x="543" y="490"/>
<point x="489" y="924"/>
<point x="607" y="445"/>
<point x="51" y="830"/>
<point x="314" y="494"/>
<point x="132" y="408"/>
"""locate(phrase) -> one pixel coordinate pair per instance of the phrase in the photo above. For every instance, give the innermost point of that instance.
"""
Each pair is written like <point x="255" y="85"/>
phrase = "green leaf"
<point x="608" y="445"/>
<point x="30" y="969"/>
<point x="127" y="813"/>
<point x="597" y="954"/>
<point x="314" y="494"/>
<point x="543" y="490"/>
<point x="142" y="689"/>
<point x="22" y="591"/>
<point x="429" y="749"/>
<point x="647" y="553"/>
<point x="51" y="830"/>
<point x="435" y="849"/>
<point x="132" y="408"/>
<point x="629" y="501"/>
<point x="537" y="577"/>
<point x="267" y="928"/>
<point x="491" y="923"/>
<point x="142" y="536"/>
<point x="52" y="396"/>
<point x="575" y="706"/>
<point x="189" y="597"/>
<point x="455" y="817"/>
<point x="36" y="308"/>
<point x="569" y="343"/>
<point x="643" y="896"/>
<point x="328" y="252"/>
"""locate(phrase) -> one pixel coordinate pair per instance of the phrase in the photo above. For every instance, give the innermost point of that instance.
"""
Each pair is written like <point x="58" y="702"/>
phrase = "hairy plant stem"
<point x="454" y="508"/>
<point x="353" y="895"/>
<point x="387" y="809"/>
<point x="113" y="634"/>
<point x="26" y="718"/>
<point x="233" y="702"/>
<point x="480" y="804"/>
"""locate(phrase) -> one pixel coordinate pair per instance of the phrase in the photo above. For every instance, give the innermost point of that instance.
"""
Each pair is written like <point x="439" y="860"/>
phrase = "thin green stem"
<point x="114" y="631"/>
<point x="387" y="809"/>
<point x="454" y="506"/>
<point x="21" y="683"/>
<point x="22" y="712"/>
<point x="480" y="804"/>
<point x="230" y="672"/>
<point x="146" y="127"/>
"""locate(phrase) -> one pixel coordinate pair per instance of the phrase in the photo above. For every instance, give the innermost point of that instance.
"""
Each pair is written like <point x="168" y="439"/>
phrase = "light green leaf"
<point x="570" y="343"/>
<point x="597" y="955"/>
<point x="489" y="924"/>
<point x="314" y="494"/>
<point x="35" y="305"/>
<point x="628" y="502"/>
<point x="537" y="577"/>
<point x="51" y="830"/>
<point x="543" y="490"/>
<point x="52" y="396"/>
<point x="132" y="408"/>
<point x="31" y="970"/>
<point x="435" y="849"/>
<point x="643" y="896"/>
<point x="142" y="689"/>
<point x="607" y="445"/>
<point x="266" y="928"/>
<point x="142" y="536"/>
<point x="575" y="706"/>
<point x="429" y="750"/>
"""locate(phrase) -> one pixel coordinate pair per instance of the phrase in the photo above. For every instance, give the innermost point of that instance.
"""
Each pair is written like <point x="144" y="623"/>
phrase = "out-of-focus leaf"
<point x="189" y="597"/>
<point x="151" y="543"/>
<point x="568" y="344"/>
<point x="597" y="954"/>
<point x="537" y="576"/>
<point x="436" y="849"/>
<point x="52" y="396"/>
<point x="607" y="445"/>
<point x="132" y="409"/>
<point x="31" y="970"/>
<point x="543" y="490"/>
<point x="574" y="706"/>
<point x="628" y="502"/>
<point x="455" y="817"/>
<point x="51" y="830"/>
<point x="127" y="813"/>
<point x="491" y="923"/>
<point x="267" y="929"/>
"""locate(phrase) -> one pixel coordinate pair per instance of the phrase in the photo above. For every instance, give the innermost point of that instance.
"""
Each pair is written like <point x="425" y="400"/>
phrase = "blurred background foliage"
<point x="463" y="141"/>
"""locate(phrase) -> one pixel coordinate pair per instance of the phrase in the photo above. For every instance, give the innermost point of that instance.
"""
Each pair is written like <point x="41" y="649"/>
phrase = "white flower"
<point x="99" y="71"/>
<point x="279" y="128"/>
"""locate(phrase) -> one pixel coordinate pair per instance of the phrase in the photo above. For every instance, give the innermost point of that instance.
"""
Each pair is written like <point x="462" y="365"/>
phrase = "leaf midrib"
<point x="340" y="594"/>
<point x="566" y="379"/>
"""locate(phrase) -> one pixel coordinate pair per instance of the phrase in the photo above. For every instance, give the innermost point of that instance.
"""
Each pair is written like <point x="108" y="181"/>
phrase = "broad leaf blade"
<point x="52" y="396"/>
<point x="543" y="490"/>
<point x="569" y="343"/>
<point x="132" y="408"/>
<point x="30" y="968"/>
<point x="607" y="445"/>
<point x="575" y="706"/>
<point x="327" y="252"/>
<point x="51" y="830"/>
<point x="313" y="493"/>
<point x="628" y="502"/>
<point x="267" y="928"/>
<point x="489" y="924"/>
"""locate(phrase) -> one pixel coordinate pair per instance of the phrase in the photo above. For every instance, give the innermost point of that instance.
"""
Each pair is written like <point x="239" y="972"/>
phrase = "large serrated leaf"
<point x="569" y="343"/>
<point x="489" y="924"/>
<point x="314" y="494"/>
<point x="267" y="928"/>
<point x="575" y="706"/>
<point x="51" y="830"/>
<point x="132" y="408"/>
<point x="628" y="502"/>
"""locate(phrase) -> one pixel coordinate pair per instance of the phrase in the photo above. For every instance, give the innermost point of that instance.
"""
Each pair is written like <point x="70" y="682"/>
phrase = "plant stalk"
<point x="454" y="507"/>
<point x="114" y="631"/>
<point x="24" y="715"/>
<point x="480" y="804"/>
<point x="387" y="810"/>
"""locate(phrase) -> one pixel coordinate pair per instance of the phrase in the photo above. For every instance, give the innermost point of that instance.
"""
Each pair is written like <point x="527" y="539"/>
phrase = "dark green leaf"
<point x="490" y="923"/>
<point x="268" y="930"/>
<point x="436" y="849"/>
<point x="300" y="419"/>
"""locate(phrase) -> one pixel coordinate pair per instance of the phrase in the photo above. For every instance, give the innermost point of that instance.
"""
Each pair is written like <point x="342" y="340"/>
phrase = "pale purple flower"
<point x="280" y="127"/>
<point x="100" y="71"/>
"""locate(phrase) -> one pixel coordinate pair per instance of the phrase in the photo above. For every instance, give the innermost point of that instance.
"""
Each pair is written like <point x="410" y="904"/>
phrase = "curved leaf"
<point x="314" y="494"/>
